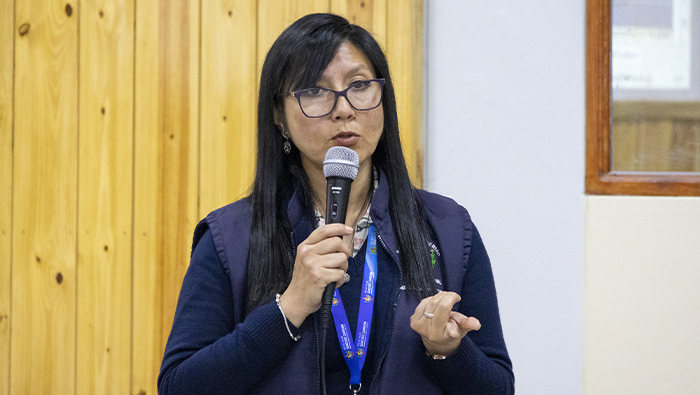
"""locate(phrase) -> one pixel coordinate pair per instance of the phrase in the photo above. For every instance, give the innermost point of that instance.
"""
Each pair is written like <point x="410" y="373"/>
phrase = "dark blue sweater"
<point x="213" y="349"/>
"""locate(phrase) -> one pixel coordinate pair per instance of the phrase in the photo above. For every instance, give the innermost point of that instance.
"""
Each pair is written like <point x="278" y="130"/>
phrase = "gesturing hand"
<point x="321" y="259"/>
<point x="441" y="328"/>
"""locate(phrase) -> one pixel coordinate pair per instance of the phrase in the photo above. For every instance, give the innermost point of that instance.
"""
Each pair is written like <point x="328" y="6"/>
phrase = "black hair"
<point x="296" y="60"/>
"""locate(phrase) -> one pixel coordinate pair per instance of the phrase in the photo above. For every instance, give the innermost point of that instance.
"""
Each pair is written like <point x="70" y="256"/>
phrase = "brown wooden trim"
<point x="599" y="179"/>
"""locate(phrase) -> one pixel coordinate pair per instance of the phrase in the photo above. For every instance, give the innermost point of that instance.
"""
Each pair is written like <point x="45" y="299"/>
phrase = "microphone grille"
<point x="341" y="162"/>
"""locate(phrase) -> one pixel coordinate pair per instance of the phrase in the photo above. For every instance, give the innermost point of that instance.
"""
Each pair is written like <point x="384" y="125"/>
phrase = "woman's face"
<point x="345" y="126"/>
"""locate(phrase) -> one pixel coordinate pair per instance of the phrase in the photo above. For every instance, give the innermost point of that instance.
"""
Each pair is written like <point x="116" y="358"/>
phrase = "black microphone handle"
<point x="337" y="198"/>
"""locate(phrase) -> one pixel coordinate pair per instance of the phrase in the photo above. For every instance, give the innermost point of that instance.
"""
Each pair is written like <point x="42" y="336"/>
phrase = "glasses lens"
<point x="316" y="101"/>
<point x="365" y="95"/>
<point x="362" y="95"/>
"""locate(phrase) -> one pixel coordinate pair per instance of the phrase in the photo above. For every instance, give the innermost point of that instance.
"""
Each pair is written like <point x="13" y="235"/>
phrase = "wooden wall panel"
<point x="105" y="185"/>
<point x="45" y="198"/>
<point x="7" y="21"/>
<point x="370" y="14"/>
<point x="165" y="168"/>
<point x="274" y="16"/>
<point x="229" y="102"/>
<point x="358" y="12"/>
<point x="655" y="145"/>
<point x="655" y="136"/>
<point x="623" y="134"/>
<point x="379" y="22"/>
<point x="148" y="212"/>
<point x="404" y="51"/>
<point x="106" y="166"/>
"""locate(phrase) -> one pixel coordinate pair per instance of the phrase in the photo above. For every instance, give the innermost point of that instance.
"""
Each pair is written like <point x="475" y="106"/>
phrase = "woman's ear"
<point x="280" y="121"/>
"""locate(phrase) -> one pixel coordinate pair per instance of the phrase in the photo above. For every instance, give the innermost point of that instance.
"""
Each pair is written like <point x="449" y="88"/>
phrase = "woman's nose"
<point x="343" y="109"/>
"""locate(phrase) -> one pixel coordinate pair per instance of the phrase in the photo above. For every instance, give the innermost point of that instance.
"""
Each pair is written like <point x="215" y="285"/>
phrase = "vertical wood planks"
<point x="101" y="176"/>
<point x="148" y="185"/>
<point x="7" y="20"/>
<point x="623" y="137"/>
<point x="405" y="54"/>
<point x="45" y="198"/>
<point x="180" y="84"/>
<point x="370" y="14"/>
<point x="379" y="18"/>
<point x="652" y="145"/>
<point x="274" y="16"/>
<point x="165" y="168"/>
<point x="358" y="12"/>
<point x="229" y="118"/>
<point x="105" y="185"/>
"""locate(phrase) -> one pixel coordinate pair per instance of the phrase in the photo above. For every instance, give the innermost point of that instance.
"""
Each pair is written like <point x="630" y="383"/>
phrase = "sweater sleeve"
<point x="481" y="364"/>
<point x="206" y="352"/>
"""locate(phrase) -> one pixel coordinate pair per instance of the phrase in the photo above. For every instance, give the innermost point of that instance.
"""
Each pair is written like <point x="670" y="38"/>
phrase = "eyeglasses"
<point x="362" y="95"/>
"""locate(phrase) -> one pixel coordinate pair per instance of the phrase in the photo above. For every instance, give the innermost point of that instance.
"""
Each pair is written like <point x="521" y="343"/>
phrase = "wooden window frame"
<point x="600" y="180"/>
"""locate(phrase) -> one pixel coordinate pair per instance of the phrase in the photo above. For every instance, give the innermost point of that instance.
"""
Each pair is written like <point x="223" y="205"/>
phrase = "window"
<point x="643" y="97"/>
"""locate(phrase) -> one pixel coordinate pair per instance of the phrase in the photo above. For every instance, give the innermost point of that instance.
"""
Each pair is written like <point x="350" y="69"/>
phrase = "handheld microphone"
<point x="340" y="168"/>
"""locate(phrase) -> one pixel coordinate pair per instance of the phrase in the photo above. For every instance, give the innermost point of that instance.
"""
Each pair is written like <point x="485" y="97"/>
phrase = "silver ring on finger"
<point x="428" y="315"/>
<point x="346" y="278"/>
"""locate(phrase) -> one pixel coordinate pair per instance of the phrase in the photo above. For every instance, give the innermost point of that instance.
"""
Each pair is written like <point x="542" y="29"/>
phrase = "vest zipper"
<point x="393" y="324"/>
<point x="294" y="245"/>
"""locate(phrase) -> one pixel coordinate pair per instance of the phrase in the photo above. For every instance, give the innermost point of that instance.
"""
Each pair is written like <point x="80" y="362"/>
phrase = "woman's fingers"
<point x="441" y="328"/>
<point x="465" y="323"/>
<point x="325" y="241"/>
<point x="327" y="231"/>
<point x="440" y="307"/>
<point x="321" y="259"/>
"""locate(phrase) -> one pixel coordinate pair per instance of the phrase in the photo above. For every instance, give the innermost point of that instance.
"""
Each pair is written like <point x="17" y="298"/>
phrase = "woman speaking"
<point x="414" y="309"/>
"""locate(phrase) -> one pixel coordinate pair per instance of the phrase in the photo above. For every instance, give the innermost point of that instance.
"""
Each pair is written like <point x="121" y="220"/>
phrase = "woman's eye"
<point x="313" y="92"/>
<point x="360" y="85"/>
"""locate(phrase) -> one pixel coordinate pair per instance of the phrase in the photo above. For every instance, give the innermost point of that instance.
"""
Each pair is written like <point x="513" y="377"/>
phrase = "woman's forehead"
<point x="347" y="62"/>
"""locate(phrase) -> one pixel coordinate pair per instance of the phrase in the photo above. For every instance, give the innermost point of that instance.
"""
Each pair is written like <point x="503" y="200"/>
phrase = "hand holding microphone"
<point x="340" y="168"/>
<point x="322" y="259"/>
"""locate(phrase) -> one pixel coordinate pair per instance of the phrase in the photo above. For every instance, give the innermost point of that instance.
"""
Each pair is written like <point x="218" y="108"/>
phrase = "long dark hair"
<point x="296" y="60"/>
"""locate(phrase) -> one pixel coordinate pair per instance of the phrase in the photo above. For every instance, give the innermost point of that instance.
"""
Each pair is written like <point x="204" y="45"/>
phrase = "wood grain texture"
<point x="405" y="54"/>
<point x="148" y="212"/>
<point x="380" y="15"/>
<point x="600" y="180"/>
<point x="358" y="12"/>
<point x="45" y="199"/>
<point x="655" y="136"/>
<point x="274" y="16"/>
<point x="105" y="185"/>
<point x="106" y="166"/>
<point x="624" y="138"/>
<point x="655" y="145"/>
<point x="7" y="21"/>
<point x="165" y="168"/>
<point x="229" y="97"/>
<point x="370" y="14"/>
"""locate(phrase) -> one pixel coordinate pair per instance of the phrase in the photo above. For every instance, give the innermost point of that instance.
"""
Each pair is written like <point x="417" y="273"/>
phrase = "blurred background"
<point x="123" y="123"/>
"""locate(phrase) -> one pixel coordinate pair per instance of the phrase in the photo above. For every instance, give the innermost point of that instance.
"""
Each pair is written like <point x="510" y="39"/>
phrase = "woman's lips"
<point x="346" y="139"/>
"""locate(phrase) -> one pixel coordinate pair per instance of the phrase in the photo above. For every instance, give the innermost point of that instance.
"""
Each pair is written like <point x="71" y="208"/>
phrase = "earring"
<point x="287" y="146"/>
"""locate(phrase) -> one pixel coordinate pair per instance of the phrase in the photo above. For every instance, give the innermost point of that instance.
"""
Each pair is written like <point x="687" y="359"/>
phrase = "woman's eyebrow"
<point x="354" y="70"/>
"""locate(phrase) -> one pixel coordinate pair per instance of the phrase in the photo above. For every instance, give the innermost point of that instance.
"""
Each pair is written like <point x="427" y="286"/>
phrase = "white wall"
<point x="642" y="299"/>
<point x="505" y="138"/>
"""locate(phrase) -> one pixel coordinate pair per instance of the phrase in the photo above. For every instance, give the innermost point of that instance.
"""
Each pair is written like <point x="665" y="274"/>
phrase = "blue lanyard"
<point x="355" y="352"/>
